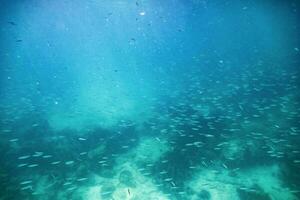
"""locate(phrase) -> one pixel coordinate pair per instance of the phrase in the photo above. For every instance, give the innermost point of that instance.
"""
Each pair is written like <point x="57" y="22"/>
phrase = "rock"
<point x="127" y="179"/>
<point x="203" y="195"/>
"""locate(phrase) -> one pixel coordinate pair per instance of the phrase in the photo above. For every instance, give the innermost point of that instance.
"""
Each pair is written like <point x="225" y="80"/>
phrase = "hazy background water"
<point x="114" y="69"/>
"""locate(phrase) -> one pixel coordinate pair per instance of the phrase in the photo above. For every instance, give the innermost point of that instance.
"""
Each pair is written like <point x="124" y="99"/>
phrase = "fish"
<point x="141" y="169"/>
<point x="47" y="156"/>
<point x="106" y="193"/>
<point x="27" y="187"/>
<point x="23" y="157"/>
<point x="32" y="165"/>
<point x="37" y="154"/>
<point x="12" y="23"/>
<point x="22" y="165"/>
<point x="55" y="162"/>
<point x="26" y="182"/>
<point x="69" y="162"/>
<point x="6" y="131"/>
<point x="225" y="166"/>
<point x="72" y="188"/>
<point x="163" y="172"/>
<point x="81" y="179"/>
<point x="67" y="183"/>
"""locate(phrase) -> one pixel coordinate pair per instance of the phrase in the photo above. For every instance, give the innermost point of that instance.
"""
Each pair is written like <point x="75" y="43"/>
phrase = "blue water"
<point x="154" y="100"/>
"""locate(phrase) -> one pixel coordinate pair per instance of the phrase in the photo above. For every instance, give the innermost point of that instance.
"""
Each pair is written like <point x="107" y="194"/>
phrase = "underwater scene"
<point x="150" y="100"/>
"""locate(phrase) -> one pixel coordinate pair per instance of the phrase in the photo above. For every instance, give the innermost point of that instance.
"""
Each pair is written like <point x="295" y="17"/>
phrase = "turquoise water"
<point x="149" y="100"/>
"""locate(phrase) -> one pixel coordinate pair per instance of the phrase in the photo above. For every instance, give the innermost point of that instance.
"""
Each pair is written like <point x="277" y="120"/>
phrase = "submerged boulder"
<point x="127" y="179"/>
<point x="203" y="195"/>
